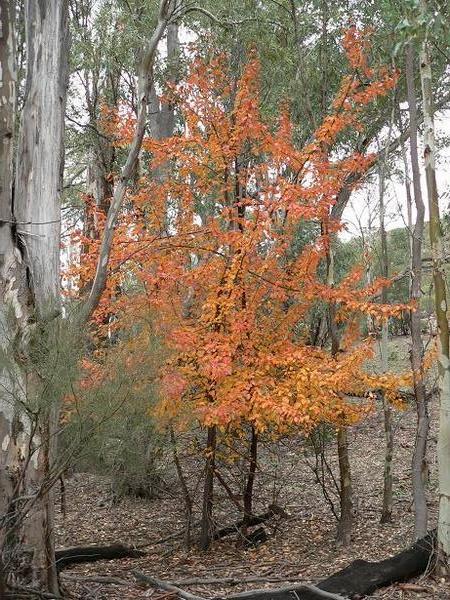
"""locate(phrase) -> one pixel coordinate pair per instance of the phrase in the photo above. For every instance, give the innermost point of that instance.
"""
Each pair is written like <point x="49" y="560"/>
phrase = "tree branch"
<point x="144" y="87"/>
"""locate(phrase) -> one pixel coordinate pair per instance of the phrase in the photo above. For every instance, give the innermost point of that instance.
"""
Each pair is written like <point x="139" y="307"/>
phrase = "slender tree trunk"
<point x="186" y="495"/>
<point x="386" y="513"/>
<point x="345" y="525"/>
<point x="420" y="448"/>
<point x="145" y="85"/>
<point x="207" y="522"/>
<point x="409" y="200"/>
<point x="440" y="295"/>
<point x="248" y="491"/>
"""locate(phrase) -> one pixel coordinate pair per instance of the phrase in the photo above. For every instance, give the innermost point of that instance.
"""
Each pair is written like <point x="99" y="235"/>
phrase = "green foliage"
<point x="109" y="419"/>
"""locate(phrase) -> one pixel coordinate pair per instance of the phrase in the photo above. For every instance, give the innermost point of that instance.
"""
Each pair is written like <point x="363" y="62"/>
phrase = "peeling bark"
<point x="29" y="293"/>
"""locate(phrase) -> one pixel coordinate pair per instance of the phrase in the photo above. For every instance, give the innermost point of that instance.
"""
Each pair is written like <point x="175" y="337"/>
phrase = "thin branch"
<point x="144" y="87"/>
<point x="162" y="585"/>
<point x="222" y="22"/>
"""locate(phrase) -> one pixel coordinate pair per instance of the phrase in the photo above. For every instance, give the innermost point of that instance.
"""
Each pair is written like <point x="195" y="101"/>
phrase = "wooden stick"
<point x="303" y="587"/>
<point x="162" y="585"/>
<point x="236" y="580"/>
<point x="97" y="579"/>
<point x="413" y="587"/>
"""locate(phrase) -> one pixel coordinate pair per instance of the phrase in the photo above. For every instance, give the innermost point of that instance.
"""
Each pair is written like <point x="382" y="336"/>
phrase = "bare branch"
<point x="144" y="87"/>
<point x="218" y="21"/>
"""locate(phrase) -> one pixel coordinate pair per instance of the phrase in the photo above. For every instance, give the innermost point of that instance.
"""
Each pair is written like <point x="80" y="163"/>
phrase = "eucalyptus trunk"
<point x="29" y="292"/>
<point x="422" y="429"/>
<point x="441" y="306"/>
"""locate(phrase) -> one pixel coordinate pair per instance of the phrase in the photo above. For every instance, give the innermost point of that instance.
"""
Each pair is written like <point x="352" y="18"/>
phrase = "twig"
<point x="413" y="587"/>
<point x="168" y="538"/>
<point x="303" y="587"/>
<point x="162" y="585"/>
<point x="235" y="580"/>
<point x="97" y="579"/>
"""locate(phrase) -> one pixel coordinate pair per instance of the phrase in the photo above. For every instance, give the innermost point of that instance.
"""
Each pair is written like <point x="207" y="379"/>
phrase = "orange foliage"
<point x="206" y="249"/>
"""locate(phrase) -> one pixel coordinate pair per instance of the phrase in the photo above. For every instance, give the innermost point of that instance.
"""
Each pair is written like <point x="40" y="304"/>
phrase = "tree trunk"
<point x="145" y="83"/>
<point x="8" y="271"/>
<point x="386" y="513"/>
<point x="248" y="491"/>
<point x="409" y="200"/>
<point x="207" y="522"/>
<point x="345" y="525"/>
<point x="30" y="296"/>
<point x="419" y="456"/>
<point x="440" y="295"/>
<point x="188" y="504"/>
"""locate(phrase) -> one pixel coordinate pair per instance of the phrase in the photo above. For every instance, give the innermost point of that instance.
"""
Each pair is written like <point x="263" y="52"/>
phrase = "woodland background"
<point x="224" y="332"/>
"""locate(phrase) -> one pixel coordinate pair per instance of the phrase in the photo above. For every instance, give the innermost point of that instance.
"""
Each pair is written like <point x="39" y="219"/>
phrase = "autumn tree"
<point x="221" y="269"/>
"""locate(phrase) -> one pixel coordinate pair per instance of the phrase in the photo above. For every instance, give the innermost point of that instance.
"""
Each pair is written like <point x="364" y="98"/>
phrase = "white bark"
<point x="441" y="305"/>
<point x="29" y="292"/>
<point x="39" y="172"/>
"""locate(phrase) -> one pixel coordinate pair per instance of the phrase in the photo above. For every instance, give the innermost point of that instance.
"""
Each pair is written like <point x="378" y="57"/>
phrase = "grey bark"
<point x="29" y="293"/>
<point x="8" y="259"/>
<point x="440" y="296"/>
<point x="419" y="456"/>
<point x="39" y="174"/>
<point x="207" y="521"/>
<point x="346" y="518"/>
<point x="386" y="513"/>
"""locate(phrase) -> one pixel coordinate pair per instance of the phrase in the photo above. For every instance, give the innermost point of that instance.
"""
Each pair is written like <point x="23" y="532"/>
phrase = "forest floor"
<point x="302" y="547"/>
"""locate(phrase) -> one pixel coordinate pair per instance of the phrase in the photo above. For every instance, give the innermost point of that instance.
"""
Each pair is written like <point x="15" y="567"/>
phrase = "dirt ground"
<point x="302" y="548"/>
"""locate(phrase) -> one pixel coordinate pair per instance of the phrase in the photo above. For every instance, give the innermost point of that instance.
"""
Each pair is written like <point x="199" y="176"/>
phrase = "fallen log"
<point x="361" y="578"/>
<point x="83" y="554"/>
<point x="237" y="580"/>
